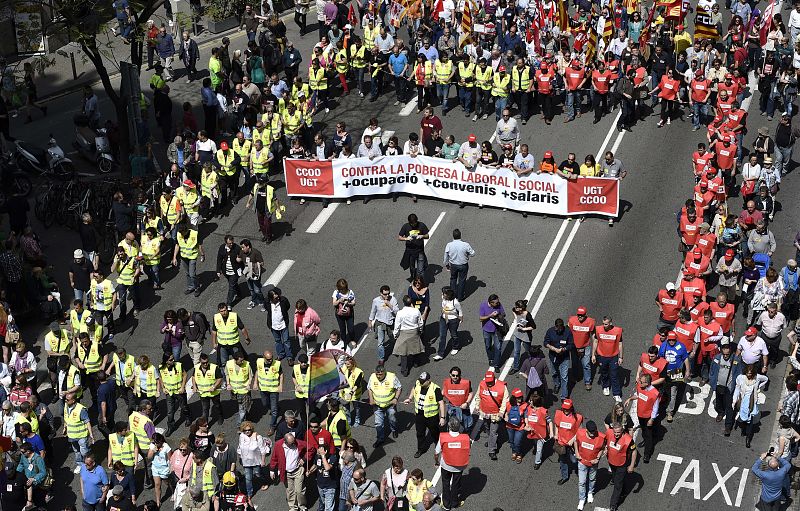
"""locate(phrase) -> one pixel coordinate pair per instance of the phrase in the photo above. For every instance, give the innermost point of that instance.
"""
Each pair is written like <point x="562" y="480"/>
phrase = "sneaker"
<point x="618" y="399"/>
<point x="581" y="503"/>
<point x="349" y="201"/>
<point x="695" y="128"/>
<point x="76" y="470"/>
<point x="589" y="498"/>
<point x="669" y="121"/>
<point x="418" y="454"/>
<point x="327" y="110"/>
<point x="491" y="368"/>
<point x="437" y="357"/>
<point x="474" y="117"/>
<point x="669" y="417"/>
<point x="588" y="386"/>
<point x="562" y="481"/>
<point x="396" y="103"/>
<point x="606" y="391"/>
<point x="263" y="308"/>
<point x="250" y="305"/>
<point x="224" y="386"/>
<point x="454" y="351"/>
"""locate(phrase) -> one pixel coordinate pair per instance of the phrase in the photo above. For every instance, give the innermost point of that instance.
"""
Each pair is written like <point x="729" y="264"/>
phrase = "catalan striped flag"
<point x="563" y="16"/>
<point x="608" y="29"/>
<point x="591" y="44"/>
<point x="674" y="9"/>
<point x="466" y="24"/>
<point x="704" y="28"/>
<point x="326" y="375"/>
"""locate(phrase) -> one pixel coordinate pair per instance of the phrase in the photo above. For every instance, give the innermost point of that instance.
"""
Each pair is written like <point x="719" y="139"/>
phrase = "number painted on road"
<point x="689" y="479"/>
<point x="695" y="400"/>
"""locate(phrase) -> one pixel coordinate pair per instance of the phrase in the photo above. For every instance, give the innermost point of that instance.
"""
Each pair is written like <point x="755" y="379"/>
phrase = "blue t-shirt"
<point x="36" y="442"/>
<point x="398" y="63"/>
<point x="93" y="482"/>
<point x="119" y="8"/>
<point x="674" y="355"/>
<point x="107" y="393"/>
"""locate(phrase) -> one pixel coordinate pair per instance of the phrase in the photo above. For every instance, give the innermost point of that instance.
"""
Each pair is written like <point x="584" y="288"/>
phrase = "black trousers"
<point x="597" y="100"/>
<point x="210" y="121"/>
<point x="423" y="425"/>
<point x="723" y="404"/>
<point x="451" y="489"/>
<point x="233" y="288"/>
<point x="521" y="99"/>
<point x="209" y="404"/>
<point x="667" y="109"/>
<point x="647" y="436"/>
<point x="176" y="402"/>
<point x="618" y="480"/>
<point x="546" y="105"/>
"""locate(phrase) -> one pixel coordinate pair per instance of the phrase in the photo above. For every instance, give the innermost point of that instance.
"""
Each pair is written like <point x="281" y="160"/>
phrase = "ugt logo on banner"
<point x="593" y="195"/>
<point x="310" y="178"/>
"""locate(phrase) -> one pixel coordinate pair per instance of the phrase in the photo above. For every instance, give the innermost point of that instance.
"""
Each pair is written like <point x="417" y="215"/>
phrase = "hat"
<point x="712" y="170"/>
<point x="575" y="62"/>
<point x="705" y="225"/>
<point x="78" y="254"/>
<point x="697" y="292"/>
<point x="763" y="131"/>
<point x="502" y="69"/>
<point x="516" y="393"/>
<point x="671" y="335"/>
<point x="697" y="251"/>
<point x="699" y="73"/>
<point x="728" y="75"/>
<point x="670" y="286"/>
<point x="543" y="66"/>
<point x="424" y="376"/>
<point x="223" y="145"/>
<point x="791" y="262"/>
<point x="591" y="427"/>
<point x="786" y="114"/>
<point x="751" y="331"/>
<point x="117" y="490"/>
<point x="229" y="479"/>
<point x="188" y="182"/>
<point x="548" y="154"/>
<point x="489" y="376"/>
<point x="729" y="253"/>
<point x="55" y="327"/>
<point x="472" y="137"/>
<point x="581" y="310"/>
<point x="348" y="26"/>
<point x="566" y="404"/>
<point x="768" y="159"/>
<point x="703" y="184"/>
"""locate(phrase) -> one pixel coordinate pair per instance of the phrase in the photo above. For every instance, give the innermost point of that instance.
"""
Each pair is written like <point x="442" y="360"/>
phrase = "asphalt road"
<point x="554" y="263"/>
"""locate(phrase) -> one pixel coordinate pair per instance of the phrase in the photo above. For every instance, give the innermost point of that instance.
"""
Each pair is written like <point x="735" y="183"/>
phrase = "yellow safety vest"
<point x="339" y="417"/>
<point x="484" y="78"/>
<point x="127" y="368"/>
<point x="301" y="378"/>
<point x="260" y="135"/>
<point x="150" y="223"/>
<point x="208" y="481"/>
<point x="130" y="250"/>
<point x="103" y="293"/>
<point x="208" y="181"/>
<point x="369" y="37"/>
<point x="443" y="71"/>
<point x="269" y="199"/>
<point x="383" y="392"/>
<point x="430" y="405"/>
<point x="137" y="423"/>
<point x="76" y="322"/>
<point x="227" y="331"/>
<point x="150" y="388"/>
<point x="151" y="250"/>
<point x="225" y="162"/>
<point x="317" y="79"/>
<point x="520" y="80"/>
<point x="260" y="161"/>
<point x="123" y="450"/>
<point x="274" y="129"/>
<point x="269" y="378"/>
<point x="170" y="208"/>
<point x="205" y="382"/>
<point x="127" y="271"/>
<point x="71" y="372"/>
<point x="76" y="428"/>
<point x="341" y="61"/>
<point x="171" y="379"/>
<point x="59" y="344"/>
<point x="238" y="376"/>
<point x="357" y="56"/>
<point x="92" y="361"/>
<point x="292" y="122"/>
<point x="500" y="86"/>
<point x="351" y="393"/>
<point x="467" y="73"/>
<point x="33" y="420"/>
<point x="188" y="245"/>
<point x="243" y="150"/>
<point x="188" y="199"/>
<point x="296" y="92"/>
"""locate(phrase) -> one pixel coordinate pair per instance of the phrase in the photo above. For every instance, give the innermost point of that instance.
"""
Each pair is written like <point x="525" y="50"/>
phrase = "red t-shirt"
<point x="428" y="124"/>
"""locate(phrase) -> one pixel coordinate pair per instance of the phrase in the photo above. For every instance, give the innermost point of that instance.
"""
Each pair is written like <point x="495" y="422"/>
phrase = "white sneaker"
<point x="618" y="399"/>
<point x="454" y="352"/>
<point x="606" y="391"/>
<point x="437" y="357"/>
<point x="250" y="305"/>
<point x="589" y="498"/>
<point x="491" y="368"/>
<point x="349" y="201"/>
<point x="580" y="504"/>
<point x="668" y="121"/>
<point x="76" y="470"/>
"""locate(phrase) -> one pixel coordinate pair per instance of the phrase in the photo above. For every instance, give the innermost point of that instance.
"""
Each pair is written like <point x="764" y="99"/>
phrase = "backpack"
<point x="514" y="416"/>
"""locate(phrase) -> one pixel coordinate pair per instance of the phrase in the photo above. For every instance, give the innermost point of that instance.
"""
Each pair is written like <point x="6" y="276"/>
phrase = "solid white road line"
<point x="554" y="271"/>
<point x="408" y="108"/>
<point x="280" y="272"/>
<point x="322" y="217"/>
<point x="433" y="228"/>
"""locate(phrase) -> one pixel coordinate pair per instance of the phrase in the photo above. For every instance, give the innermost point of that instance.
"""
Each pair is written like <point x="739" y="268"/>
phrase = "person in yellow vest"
<point x="146" y="381"/>
<point x="444" y="71"/>
<point x="384" y="392"/>
<point x="501" y="83"/>
<point x="203" y="478"/>
<point x="351" y="395"/>
<point x="240" y="379"/>
<point x="225" y="332"/>
<point x="123" y="367"/>
<point x="466" y="83"/>
<point x="103" y="300"/>
<point x="243" y="148"/>
<point x="342" y="63"/>
<point x="269" y="380"/>
<point x="190" y="201"/>
<point x="188" y="246"/>
<point x="128" y="269"/>
<point x="358" y="61"/>
<point x="336" y="423"/>
<point x="260" y="158"/>
<point x="430" y="411"/>
<point x="265" y="204"/>
<point x="300" y="378"/>
<point x="123" y="447"/>
<point x="69" y="379"/>
<point x="209" y="191"/>
<point x="93" y="328"/>
<point x="292" y="121"/>
<point x="77" y="429"/>
<point x="171" y="212"/>
<point x="228" y="163"/>
<point x="57" y="343"/>
<point x="26" y="415"/>
<point x="318" y="83"/>
<point x="87" y="356"/>
<point x="77" y="318"/>
<point x="483" y="88"/>
<point x="142" y="427"/>
<point x="151" y="256"/>
<point x="522" y="84"/>
<point x="173" y="381"/>
<point x="130" y="244"/>
<point x="378" y="66"/>
<point x="422" y="77"/>
<point x="207" y="380"/>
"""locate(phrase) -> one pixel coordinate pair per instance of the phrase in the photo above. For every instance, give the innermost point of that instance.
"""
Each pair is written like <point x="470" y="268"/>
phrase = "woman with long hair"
<point x="343" y="300"/>
<point x="747" y="397"/>
<point x="159" y="456"/>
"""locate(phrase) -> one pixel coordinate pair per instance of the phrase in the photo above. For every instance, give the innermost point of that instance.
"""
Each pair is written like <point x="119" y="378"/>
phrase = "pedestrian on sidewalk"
<point x="30" y="91"/>
<point x="189" y="54"/>
<point x="165" y="46"/>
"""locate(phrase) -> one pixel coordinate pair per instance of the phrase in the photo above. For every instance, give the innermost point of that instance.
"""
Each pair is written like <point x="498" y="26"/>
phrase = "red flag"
<point x="351" y="16"/>
<point x="644" y="38"/>
<point x="563" y="16"/>
<point x="438" y="8"/>
<point x="766" y="24"/>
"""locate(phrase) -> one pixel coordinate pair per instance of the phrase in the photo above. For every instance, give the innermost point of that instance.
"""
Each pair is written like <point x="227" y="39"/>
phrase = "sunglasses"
<point x="248" y="431"/>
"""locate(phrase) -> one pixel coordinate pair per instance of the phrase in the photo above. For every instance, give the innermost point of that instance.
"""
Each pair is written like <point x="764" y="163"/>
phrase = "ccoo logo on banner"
<point x="425" y="176"/>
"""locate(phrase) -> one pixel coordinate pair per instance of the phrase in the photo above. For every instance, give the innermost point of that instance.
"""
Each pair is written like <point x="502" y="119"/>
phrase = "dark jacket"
<point x="736" y="370"/>
<point x="165" y="45"/>
<point x="162" y="107"/>
<point x="559" y="340"/>
<point x="232" y="255"/>
<point x="284" y="302"/>
<point x="192" y="55"/>
<point x="328" y="151"/>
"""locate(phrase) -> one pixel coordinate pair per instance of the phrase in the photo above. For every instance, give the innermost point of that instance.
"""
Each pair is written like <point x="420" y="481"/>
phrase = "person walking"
<point x="229" y="265"/>
<point x="566" y="422"/>
<point x="253" y="266"/>
<point x="725" y="369"/>
<point x="278" y="323"/>
<point x="589" y="447"/>
<point x="189" y="54"/>
<point x="429" y="407"/>
<point x="493" y="317"/>
<point x="607" y="355"/>
<point x="452" y="316"/>
<point x="207" y="380"/>
<point x="621" y="453"/>
<point x="94" y="484"/>
<point x="414" y="233"/>
<point x="77" y="429"/>
<point x="456" y="261"/>
<point x="647" y="399"/>
<point x="286" y="465"/>
<point x="269" y="381"/>
<point x="583" y="328"/>
<point x="452" y="456"/>
<point x="560" y="344"/>
<point x="678" y="368"/>
<point x="239" y="378"/>
<point x="493" y="396"/>
<point x="173" y="381"/>
<point x="384" y="391"/>
<point x="225" y="335"/>
<point x="165" y="47"/>
<point x="407" y="328"/>
<point x="189" y="248"/>
<point x="381" y="320"/>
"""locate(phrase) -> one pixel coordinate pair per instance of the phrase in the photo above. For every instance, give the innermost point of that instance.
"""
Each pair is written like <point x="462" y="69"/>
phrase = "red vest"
<point x="588" y="448"/>
<point x="601" y="80"/>
<point x="657" y="342"/>
<point x="668" y="88"/>
<point x="698" y="267"/>
<point x="723" y="315"/>
<point x="645" y="401"/>
<point x="537" y="422"/>
<point x="654" y="369"/>
<point x="707" y="241"/>
<point x="455" y="449"/>
<point x="690" y="230"/>
<point x="617" y="448"/>
<point x="544" y="82"/>
<point x="688" y="287"/>
<point x="566" y="426"/>
<point x="491" y="399"/>
<point x="697" y="311"/>
<point x="456" y="393"/>
<point x="686" y="333"/>
<point x="670" y="306"/>
<point x="726" y="155"/>
<point x="700" y="162"/>
<point x="608" y="342"/>
<point x="700" y="90"/>
<point x="706" y="331"/>
<point x="574" y="78"/>
<point x="581" y="332"/>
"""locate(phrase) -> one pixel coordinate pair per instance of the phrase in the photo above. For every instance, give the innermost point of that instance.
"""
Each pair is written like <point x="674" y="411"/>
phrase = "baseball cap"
<point x="591" y="427"/>
<point x="78" y="254"/>
<point x="566" y="404"/>
<point x="489" y="376"/>
<point x="501" y="68"/>
<point x="472" y="137"/>
<point x="699" y="73"/>
<point x="697" y="292"/>
<point x="697" y="251"/>
<point x="703" y="184"/>
<point x="223" y="145"/>
<point x="670" y="286"/>
<point x="189" y="183"/>
<point x="671" y="335"/>
<point x="729" y="253"/>
<point x="516" y="392"/>
<point x="548" y="154"/>
<point x="751" y="331"/>
<point x="712" y="170"/>
<point x="543" y="66"/>
<point x="229" y="479"/>
<point x="728" y="75"/>
<point x="581" y="310"/>
<point x="117" y="490"/>
<point x="424" y="376"/>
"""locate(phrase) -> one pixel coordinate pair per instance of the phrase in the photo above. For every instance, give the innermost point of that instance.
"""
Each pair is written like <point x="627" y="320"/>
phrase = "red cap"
<point x="566" y="404"/>
<point x="223" y="145"/>
<point x="751" y="331"/>
<point x="472" y="137"/>
<point x="548" y="154"/>
<point x="575" y="62"/>
<point x="516" y="393"/>
<point x="729" y="253"/>
<point x="712" y="170"/>
<point x="698" y="292"/>
<point x="672" y="335"/>
<point x="728" y="75"/>
<point x="543" y="66"/>
<point x="680" y="27"/>
<point x="581" y="310"/>
<point x="548" y="55"/>
<point x="489" y="376"/>
<point x="699" y="73"/>
<point x="501" y="68"/>
<point x="697" y="251"/>
<point x="703" y="184"/>
<point x="189" y="183"/>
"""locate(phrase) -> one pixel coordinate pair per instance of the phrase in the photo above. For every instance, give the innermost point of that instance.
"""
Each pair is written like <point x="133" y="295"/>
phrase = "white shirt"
<point x="706" y="4"/>
<point x="794" y="19"/>
<point x="447" y="10"/>
<point x="277" y="316"/>
<point x="292" y="457"/>
<point x="752" y="352"/>
<point x="208" y="145"/>
<point x="408" y="318"/>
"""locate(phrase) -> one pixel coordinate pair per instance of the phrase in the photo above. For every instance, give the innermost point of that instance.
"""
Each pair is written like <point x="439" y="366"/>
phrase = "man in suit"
<point x="189" y="54"/>
<point x="323" y="148"/>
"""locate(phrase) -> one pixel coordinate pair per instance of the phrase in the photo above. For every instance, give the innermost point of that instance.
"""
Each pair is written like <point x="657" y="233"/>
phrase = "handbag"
<point x="395" y="503"/>
<point x="48" y="481"/>
<point x="559" y="449"/>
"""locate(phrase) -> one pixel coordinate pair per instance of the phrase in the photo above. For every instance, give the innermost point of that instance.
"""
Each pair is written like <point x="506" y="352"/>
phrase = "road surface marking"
<point x="322" y="217"/>
<point x="433" y="229"/>
<point x="280" y="272"/>
<point x="408" y="108"/>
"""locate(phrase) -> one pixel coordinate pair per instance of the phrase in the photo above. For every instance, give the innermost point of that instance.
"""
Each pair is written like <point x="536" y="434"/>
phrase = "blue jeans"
<point x="80" y="447"/>
<point x="152" y="272"/>
<point x="499" y="106"/>
<point x="515" y="437"/>
<point x="176" y="351"/>
<point x="79" y="294"/>
<point x="383" y="337"/>
<point x="494" y="345"/>
<point x="539" y="446"/>
<point x="400" y="88"/>
<point x="270" y="399"/>
<point x="607" y="367"/>
<point x="463" y="416"/>
<point x="518" y="352"/>
<point x="465" y="98"/>
<point x="458" y="277"/>
<point x="327" y="499"/>
<point x="360" y="79"/>
<point x="283" y="348"/>
<point x="566" y="461"/>
<point x="585" y="473"/>
<point x="352" y="409"/>
<point x="225" y="353"/>
<point x="189" y="266"/>
<point x="572" y="103"/>
<point x="699" y="113"/>
<point x="450" y="325"/>
<point x="561" y="379"/>
<point x="381" y="414"/>
<point x="250" y="473"/>
<point x="783" y="155"/>
<point x="585" y="362"/>
<point x="442" y="91"/>
<point x="256" y="295"/>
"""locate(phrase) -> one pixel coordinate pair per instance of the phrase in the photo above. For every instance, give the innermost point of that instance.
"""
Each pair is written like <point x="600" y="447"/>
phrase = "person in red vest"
<point x="452" y="456"/>
<point x="707" y="240"/>
<point x="566" y="423"/>
<point x="689" y="284"/>
<point x="544" y="91"/>
<point x="514" y="416"/>
<point x="538" y="424"/>
<point x="669" y="302"/>
<point x="621" y="453"/>
<point x="710" y="338"/>
<point x="582" y="327"/>
<point x="668" y="89"/>
<point x="698" y="306"/>
<point x="575" y="78"/>
<point x="724" y="313"/>
<point x="652" y="365"/>
<point x="601" y="83"/>
<point x="493" y="396"/>
<point x="607" y="355"/>
<point x="698" y="98"/>
<point x="661" y="336"/>
<point x="589" y="448"/>
<point x="725" y="155"/>
<point x="458" y="396"/>
<point x="689" y="229"/>
<point x="647" y="399"/>
<point x="700" y="161"/>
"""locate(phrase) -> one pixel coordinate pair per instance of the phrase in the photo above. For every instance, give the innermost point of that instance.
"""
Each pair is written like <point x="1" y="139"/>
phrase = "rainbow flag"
<point x="326" y="376"/>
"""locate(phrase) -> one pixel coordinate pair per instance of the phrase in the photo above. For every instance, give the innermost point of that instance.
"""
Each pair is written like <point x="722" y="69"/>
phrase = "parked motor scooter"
<point x="93" y="144"/>
<point x="50" y="161"/>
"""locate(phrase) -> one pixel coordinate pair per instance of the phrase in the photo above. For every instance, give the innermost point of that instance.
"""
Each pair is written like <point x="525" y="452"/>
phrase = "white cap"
<point x="670" y="286"/>
<point x="78" y="254"/>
